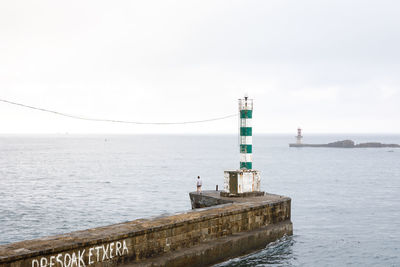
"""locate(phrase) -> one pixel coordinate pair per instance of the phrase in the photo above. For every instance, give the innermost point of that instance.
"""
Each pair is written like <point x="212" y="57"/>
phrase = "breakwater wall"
<point x="195" y="238"/>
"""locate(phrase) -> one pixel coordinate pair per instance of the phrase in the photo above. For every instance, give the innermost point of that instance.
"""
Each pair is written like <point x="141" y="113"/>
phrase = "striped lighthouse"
<point x="245" y="126"/>
<point x="244" y="181"/>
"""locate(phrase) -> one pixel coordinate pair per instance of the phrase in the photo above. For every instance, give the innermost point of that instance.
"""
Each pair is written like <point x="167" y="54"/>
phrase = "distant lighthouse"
<point x="245" y="181"/>
<point x="299" y="137"/>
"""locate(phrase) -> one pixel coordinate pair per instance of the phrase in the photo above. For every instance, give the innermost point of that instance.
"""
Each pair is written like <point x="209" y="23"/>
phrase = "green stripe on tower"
<point x="245" y="131"/>
<point x="246" y="165"/>
<point x="246" y="114"/>
<point x="246" y="148"/>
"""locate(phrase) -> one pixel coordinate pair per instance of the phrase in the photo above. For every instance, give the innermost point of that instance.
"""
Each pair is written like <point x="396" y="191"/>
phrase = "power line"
<point x="110" y="120"/>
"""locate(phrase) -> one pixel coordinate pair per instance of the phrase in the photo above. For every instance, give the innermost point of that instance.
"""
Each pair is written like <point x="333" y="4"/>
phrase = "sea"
<point x="345" y="202"/>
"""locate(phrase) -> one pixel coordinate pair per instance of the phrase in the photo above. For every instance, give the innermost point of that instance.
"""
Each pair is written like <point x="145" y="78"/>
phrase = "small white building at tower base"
<point x="241" y="181"/>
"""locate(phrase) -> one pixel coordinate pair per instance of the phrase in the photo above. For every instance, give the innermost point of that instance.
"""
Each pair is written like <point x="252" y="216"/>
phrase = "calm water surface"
<point x="345" y="202"/>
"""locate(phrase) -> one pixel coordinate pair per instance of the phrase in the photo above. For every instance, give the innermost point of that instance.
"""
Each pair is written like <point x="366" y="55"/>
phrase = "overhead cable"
<point x="111" y="120"/>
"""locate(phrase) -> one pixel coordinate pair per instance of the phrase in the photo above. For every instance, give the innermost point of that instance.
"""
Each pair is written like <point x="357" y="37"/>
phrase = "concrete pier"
<point x="198" y="237"/>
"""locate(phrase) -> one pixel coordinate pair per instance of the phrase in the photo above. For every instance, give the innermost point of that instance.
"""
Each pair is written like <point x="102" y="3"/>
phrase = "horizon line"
<point x="263" y="133"/>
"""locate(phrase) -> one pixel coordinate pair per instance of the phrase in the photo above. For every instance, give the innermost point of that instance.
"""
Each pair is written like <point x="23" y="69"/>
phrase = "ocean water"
<point x="345" y="202"/>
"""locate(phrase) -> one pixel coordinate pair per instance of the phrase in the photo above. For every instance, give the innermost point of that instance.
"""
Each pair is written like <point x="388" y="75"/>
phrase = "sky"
<point x="324" y="66"/>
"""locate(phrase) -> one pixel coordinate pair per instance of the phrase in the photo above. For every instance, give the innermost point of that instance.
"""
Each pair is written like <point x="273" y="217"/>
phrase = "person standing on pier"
<point x="199" y="184"/>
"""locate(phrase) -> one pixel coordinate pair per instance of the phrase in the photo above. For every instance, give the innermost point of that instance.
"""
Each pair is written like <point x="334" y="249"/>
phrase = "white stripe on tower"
<point x="246" y="122"/>
<point x="246" y="157"/>
<point x="246" y="140"/>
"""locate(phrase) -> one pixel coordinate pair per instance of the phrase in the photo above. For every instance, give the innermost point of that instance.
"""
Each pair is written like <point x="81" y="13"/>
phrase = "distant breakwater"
<point x="348" y="144"/>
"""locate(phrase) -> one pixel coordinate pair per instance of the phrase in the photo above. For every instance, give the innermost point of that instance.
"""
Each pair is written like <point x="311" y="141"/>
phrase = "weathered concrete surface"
<point x="140" y="240"/>
<point x="211" y="198"/>
<point x="247" y="194"/>
<point x="208" y="253"/>
<point x="206" y="199"/>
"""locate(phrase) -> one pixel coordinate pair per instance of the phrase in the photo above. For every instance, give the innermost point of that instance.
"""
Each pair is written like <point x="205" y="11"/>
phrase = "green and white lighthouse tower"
<point x="246" y="133"/>
<point x="245" y="181"/>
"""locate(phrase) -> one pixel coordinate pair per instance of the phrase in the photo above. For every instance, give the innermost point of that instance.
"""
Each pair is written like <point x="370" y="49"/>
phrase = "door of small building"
<point x="233" y="183"/>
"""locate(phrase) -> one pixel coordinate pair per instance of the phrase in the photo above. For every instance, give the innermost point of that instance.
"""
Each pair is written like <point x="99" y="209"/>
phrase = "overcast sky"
<point x="327" y="66"/>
